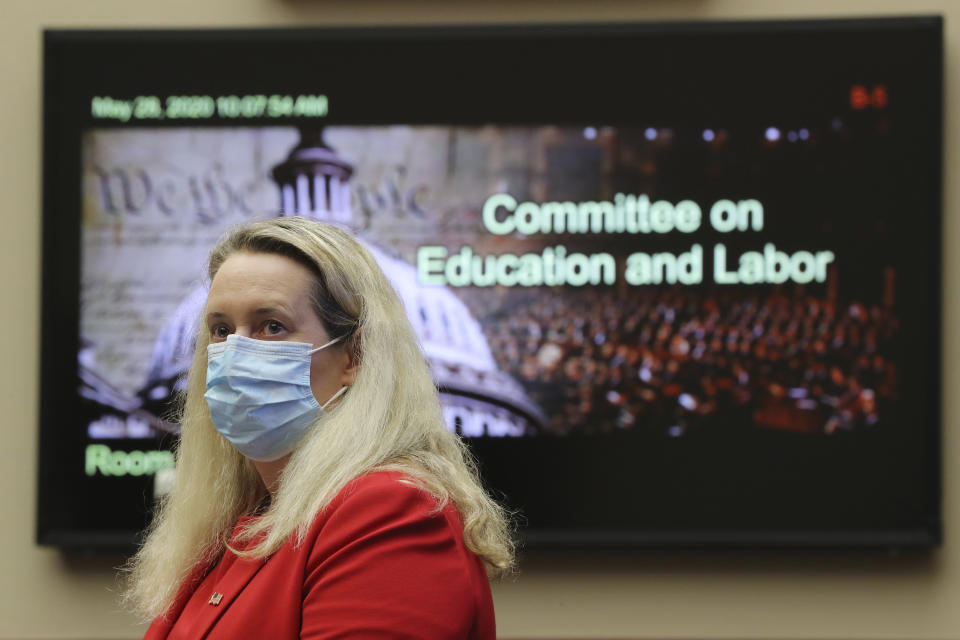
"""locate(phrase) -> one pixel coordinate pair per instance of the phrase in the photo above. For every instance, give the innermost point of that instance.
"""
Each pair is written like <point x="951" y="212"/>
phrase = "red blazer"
<point x="379" y="562"/>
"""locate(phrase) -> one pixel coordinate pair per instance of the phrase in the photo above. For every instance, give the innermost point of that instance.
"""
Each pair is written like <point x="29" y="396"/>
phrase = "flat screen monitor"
<point x="678" y="284"/>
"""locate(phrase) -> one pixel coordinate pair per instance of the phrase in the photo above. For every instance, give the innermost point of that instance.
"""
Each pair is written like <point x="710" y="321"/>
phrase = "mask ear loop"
<point x="335" y="340"/>
<point x="342" y="389"/>
<point x="339" y="393"/>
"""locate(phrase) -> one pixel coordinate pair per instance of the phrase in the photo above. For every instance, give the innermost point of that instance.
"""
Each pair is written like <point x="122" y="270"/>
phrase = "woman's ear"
<point x="352" y="352"/>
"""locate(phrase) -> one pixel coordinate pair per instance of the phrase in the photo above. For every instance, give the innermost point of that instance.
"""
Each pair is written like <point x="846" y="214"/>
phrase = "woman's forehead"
<point x="264" y="279"/>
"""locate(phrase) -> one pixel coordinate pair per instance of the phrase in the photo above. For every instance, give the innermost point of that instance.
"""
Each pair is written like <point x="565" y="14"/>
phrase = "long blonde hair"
<point x="390" y="419"/>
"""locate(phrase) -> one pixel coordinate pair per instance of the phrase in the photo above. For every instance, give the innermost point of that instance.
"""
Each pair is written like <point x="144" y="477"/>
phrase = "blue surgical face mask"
<point x="259" y="395"/>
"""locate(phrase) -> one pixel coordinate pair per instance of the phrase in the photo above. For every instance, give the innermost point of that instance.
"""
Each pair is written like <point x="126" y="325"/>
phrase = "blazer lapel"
<point x="160" y="628"/>
<point x="224" y="592"/>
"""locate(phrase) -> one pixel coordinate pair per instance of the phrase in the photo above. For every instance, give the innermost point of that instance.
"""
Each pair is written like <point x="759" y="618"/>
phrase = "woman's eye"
<point x="273" y="327"/>
<point x="220" y="332"/>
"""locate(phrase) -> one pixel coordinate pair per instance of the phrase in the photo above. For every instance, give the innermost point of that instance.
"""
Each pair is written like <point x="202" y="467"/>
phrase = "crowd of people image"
<point x="677" y="360"/>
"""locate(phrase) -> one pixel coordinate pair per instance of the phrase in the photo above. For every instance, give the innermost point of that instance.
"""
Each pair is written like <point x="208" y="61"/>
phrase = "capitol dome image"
<point x="478" y="399"/>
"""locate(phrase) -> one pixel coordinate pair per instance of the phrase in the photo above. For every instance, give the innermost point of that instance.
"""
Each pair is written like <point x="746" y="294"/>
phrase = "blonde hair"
<point x="390" y="419"/>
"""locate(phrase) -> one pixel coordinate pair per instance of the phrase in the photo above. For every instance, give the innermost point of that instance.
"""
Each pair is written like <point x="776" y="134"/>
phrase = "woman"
<point x="318" y="493"/>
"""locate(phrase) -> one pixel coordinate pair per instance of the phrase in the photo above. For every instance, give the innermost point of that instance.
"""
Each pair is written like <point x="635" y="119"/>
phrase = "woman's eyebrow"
<point x="263" y="311"/>
<point x="260" y="311"/>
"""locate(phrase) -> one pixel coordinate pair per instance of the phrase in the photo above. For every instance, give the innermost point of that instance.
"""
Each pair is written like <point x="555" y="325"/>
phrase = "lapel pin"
<point x="215" y="598"/>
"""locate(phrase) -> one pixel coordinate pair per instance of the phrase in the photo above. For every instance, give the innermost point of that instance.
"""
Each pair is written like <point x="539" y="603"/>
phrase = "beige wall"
<point x="45" y="595"/>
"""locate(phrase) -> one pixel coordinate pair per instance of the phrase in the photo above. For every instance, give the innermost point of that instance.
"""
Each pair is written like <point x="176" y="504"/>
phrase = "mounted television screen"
<point x="678" y="284"/>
